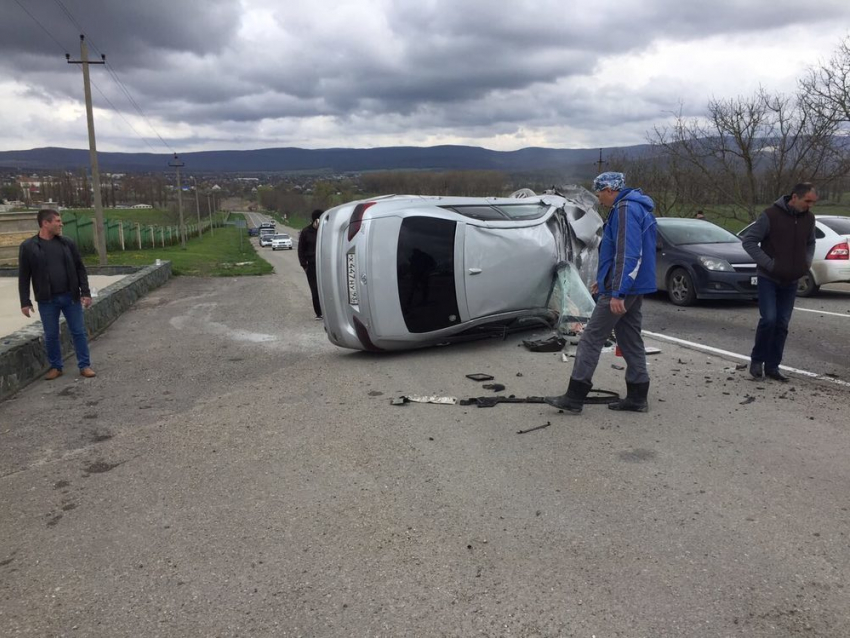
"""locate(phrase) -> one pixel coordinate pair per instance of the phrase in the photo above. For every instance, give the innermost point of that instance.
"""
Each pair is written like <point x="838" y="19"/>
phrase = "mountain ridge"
<point x="337" y="160"/>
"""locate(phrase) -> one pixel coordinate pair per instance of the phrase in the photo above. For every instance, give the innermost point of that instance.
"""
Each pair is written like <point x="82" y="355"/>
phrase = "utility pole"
<point x="100" y="234"/>
<point x="209" y="208"/>
<point x="197" y="205"/>
<point x="176" y="163"/>
<point x="600" y="163"/>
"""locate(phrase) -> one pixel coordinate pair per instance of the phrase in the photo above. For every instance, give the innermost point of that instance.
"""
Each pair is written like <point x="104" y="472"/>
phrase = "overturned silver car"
<point x="404" y="271"/>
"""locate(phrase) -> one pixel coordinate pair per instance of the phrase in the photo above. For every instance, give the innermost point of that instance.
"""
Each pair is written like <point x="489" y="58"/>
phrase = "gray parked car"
<point x="406" y="271"/>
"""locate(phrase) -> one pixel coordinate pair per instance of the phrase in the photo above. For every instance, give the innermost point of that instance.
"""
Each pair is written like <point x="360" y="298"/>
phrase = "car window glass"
<point x="840" y="226"/>
<point x="484" y="213"/>
<point x="686" y="231"/>
<point x="523" y="211"/>
<point x="426" y="273"/>
<point x="819" y="234"/>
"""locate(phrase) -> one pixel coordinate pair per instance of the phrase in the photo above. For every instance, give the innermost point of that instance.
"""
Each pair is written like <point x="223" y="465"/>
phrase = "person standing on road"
<point x="782" y="243"/>
<point x="626" y="273"/>
<point x="307" y="258"/>
<point x="54" y="266"/>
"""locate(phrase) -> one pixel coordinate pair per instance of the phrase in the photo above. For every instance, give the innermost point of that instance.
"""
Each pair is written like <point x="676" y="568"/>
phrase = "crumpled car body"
<point x="405" y="271"/>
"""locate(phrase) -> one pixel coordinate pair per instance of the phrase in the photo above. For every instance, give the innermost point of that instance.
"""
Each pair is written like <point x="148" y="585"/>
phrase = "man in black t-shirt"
<point x="53" y="265"/>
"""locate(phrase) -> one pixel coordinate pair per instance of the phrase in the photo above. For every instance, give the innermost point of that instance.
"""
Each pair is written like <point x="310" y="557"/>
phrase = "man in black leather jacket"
<point x="53" y="265"/>
<point x="307" y="258"/>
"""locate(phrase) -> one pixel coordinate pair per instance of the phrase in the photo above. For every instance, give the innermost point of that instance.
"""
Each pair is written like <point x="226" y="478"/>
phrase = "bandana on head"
<point x="613" y="180"/>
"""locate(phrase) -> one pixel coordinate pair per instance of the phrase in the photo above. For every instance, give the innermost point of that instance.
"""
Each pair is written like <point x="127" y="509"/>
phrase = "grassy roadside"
<point x="219" y="255"/>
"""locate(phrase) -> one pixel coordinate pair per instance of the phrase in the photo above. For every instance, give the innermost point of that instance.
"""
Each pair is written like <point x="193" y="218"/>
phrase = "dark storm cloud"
<point x="472" y="65"/>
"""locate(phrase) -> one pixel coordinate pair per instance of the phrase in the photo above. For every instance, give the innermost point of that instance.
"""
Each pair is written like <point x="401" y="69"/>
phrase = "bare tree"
<point x="748" y="150"/>
<point x="827" y="87"/>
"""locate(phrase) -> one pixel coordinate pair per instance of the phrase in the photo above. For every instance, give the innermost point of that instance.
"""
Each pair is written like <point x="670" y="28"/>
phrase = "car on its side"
<point x="405" y="271"/>
<point x="696" y="259"/>
<point x="281" y="241"/>
<point x="266" y="239"/>
<point x="831" y="263"/>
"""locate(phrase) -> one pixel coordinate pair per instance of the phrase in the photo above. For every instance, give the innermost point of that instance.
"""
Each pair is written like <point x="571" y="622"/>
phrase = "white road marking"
<point x="742" y="357"/>
<point x="823" y="312"/>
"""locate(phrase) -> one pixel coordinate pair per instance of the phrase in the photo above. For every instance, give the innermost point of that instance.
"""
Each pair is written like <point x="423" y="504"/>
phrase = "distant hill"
<point x="338" y="160"/>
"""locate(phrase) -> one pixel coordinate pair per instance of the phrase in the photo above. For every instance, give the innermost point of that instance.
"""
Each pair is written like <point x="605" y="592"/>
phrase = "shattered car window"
<point x="571" y="299"/>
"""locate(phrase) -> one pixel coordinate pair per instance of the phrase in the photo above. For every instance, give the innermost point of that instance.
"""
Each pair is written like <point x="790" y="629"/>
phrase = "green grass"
<point x="209" y="256"/>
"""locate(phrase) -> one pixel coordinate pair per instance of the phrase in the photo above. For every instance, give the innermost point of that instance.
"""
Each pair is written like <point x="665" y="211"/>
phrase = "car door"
<point x="507" y="269"/>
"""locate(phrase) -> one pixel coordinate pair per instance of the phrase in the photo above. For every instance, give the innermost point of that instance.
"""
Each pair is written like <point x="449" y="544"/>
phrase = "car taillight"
<point x="356" y="220"/>
<point x="839" y="251"/>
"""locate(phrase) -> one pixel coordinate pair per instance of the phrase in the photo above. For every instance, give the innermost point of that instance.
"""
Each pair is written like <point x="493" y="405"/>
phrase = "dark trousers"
<point x="310" y="270"/>
<point x="776" y="303"/>
<point x="627" y="330"/>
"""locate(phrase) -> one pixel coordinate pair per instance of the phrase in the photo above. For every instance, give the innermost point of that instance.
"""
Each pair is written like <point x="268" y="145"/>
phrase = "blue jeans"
<point x="776" y="303"/>
<point x="73" y="311"/>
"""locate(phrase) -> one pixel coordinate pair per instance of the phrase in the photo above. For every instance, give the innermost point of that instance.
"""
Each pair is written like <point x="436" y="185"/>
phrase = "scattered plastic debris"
<point x="741" y="366"/>
<point x="552" y="344"/>
<point x="495" y="387"/>
<point x="618" y="367"/>
<point x="412" y="398"/>
<point x="652" y="350"/>
<point x="536" y="427"/>
<point x="748" y="400"/>
<point x="480" y="376"/>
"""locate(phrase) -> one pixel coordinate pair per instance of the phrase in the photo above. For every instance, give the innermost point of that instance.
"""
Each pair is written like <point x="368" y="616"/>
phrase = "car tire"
<point x="806" y="286"/>
<point x="680" y="288"/>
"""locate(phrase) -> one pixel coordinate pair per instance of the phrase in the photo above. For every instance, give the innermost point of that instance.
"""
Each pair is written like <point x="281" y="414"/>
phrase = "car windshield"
<point x="503" y="212"/>
<point x="840" y="226"/>
<point x="681" y="232"/>
<point x="281" y="236"/>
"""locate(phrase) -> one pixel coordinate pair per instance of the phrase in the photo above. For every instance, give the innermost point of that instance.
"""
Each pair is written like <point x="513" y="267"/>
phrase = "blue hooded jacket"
<point x="627" y="253"/>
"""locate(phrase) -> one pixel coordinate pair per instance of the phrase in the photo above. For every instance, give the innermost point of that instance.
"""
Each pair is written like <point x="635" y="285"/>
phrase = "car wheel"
<point x="680" y="288"/>
<point x="806" y="286"/>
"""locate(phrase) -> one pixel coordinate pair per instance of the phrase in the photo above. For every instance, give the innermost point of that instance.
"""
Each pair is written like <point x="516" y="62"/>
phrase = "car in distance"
<point x="404" y="271"/>
<point x="266" y="239"/>
<point x="253" y="232"/>
<point x="281" y="241"/>
<point x="831" y="262"/>
<point x="696" y="259"/>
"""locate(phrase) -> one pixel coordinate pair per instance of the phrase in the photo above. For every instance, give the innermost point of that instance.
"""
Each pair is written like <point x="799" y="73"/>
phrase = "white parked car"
<point x="281" y="241"/>
<point x="831" y="263"/>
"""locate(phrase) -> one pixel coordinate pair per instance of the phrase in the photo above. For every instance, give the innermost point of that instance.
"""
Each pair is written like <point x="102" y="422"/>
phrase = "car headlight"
<point x="714" y="263"/>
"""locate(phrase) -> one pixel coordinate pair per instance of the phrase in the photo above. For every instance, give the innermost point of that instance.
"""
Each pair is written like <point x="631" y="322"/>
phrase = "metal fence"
<point x="128" y="235"/>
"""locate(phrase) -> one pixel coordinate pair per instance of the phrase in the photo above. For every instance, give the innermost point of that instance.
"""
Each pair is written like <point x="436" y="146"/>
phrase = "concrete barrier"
<point x="22" y="355"/>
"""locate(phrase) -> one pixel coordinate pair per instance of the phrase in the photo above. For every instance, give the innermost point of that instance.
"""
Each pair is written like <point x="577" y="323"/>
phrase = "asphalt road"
<point x="231" y="473"/>
<point x="817" y="342"/>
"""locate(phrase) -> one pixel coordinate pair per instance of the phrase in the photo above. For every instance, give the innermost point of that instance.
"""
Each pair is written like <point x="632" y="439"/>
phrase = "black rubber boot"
<point x="573" y="400"/>
<point x="635" y="400"/>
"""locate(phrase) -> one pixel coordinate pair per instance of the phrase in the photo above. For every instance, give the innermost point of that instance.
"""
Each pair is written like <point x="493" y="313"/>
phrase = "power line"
<point x="114" y="75"/>
<point x="77" y="25"/>
<point x="43" y="28"/>
<point x="117" y="110"/>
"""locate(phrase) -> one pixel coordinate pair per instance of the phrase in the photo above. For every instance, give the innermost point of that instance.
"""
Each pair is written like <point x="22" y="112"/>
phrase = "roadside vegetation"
<point x="222" y="254"/>
<point x="144" y="216"/>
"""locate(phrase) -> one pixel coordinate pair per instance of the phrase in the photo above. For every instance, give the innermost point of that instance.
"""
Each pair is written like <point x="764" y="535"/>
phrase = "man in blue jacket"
<point x="626" y="273"/>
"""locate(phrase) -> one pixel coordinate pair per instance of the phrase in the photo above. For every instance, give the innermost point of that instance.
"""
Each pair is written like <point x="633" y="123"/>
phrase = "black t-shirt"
<point x="57" y="270"/>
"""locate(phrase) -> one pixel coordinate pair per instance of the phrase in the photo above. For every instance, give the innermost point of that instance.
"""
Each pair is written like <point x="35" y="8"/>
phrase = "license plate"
<point x="353" y="299"/>
<point x="754" y="281"/>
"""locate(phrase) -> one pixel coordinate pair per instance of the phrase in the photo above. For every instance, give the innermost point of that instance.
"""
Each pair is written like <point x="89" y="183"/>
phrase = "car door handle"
<point x="474" y="271"/>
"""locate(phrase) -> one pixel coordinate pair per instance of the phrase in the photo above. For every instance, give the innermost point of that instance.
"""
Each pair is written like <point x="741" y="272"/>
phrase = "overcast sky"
<point x="243" y="74"/>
